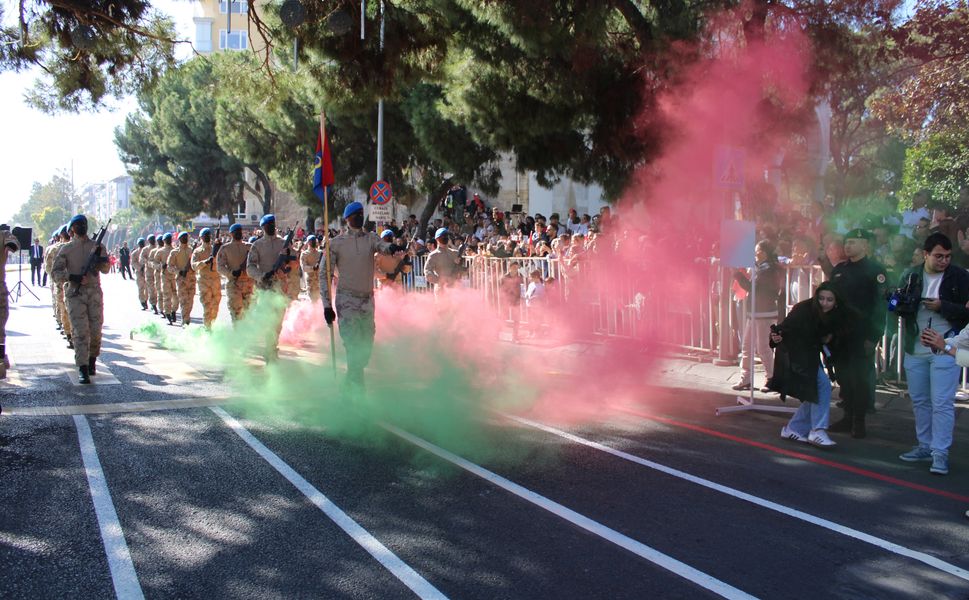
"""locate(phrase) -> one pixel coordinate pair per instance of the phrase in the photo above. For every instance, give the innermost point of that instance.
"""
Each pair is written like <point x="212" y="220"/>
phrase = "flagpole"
<point x="326" y="239"/>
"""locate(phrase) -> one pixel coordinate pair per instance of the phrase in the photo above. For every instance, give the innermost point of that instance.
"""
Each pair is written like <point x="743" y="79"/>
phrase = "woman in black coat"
<point x="812" y="327"/>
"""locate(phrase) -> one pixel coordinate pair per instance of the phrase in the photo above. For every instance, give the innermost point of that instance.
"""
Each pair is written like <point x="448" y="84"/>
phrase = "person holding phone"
<point x="930" y="363"/>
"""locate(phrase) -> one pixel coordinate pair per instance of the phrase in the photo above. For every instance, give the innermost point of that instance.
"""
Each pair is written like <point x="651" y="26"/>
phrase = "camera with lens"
<point x="905" y="300"/>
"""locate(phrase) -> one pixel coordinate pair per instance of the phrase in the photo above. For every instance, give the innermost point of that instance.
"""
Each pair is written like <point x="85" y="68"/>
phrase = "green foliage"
<point x="129" y="47"/>
<point x="49" y="219"/>
<point x="56" y="194"/>
<point x="939" y="164"/>
<point x="172" y="150"/>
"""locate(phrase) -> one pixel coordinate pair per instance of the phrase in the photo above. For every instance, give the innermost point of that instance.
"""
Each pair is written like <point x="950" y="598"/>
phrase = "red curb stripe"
<point x="806" y="457"/>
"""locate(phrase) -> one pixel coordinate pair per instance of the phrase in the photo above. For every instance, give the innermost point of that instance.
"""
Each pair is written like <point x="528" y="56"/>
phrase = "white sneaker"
<point x="788" y="434"/>
<point x="819" y="437"/>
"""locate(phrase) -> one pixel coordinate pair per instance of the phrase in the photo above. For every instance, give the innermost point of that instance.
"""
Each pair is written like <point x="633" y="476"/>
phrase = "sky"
<point x="37" y="145"/>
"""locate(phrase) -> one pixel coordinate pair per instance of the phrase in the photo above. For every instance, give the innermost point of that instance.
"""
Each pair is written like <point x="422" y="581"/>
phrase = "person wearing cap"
<point x="263" y="256"/>
<point x="49" y="253"/>
<point x="59" y="289"/>
<point x="168" y="276"/>
<point x="933" y="330"/>
<point x="443" y="265"/>
<point x="352" y="257"/>
<point x="309" y="259"/>
<point x="139" y="268"/>
<point x="388" y="266"/>
<point x="180" y="262"/>
<point x="208" y="279"/>
<point x="8" y="245"/>
<point x="231" y="264"/>
<point x="861" y="283"/>
<point x="85" y="301"/>
<point x="148" y="265"/>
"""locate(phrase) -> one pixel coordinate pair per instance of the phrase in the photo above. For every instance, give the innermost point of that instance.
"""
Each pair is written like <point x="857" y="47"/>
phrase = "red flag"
<point x="323" y="175"/>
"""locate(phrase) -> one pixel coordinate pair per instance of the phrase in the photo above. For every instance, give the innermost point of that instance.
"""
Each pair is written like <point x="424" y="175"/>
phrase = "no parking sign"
<point x="380" y="196"/>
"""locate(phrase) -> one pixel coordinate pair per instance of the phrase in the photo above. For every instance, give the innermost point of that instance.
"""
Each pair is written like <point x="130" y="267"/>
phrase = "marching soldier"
<point x="85" y="302"/>
<point x="49" y="253"/>
<point x="148" y="266"/>
<point x="180" y="263"/>
<point x="352" y="256"/>
<point x="309" y="259"/>
<point x="860" y="282"/>
<point x="159" y="272"/>
<point x="61" y="289"/>
<point x="8" y="245"/>
<point x="209" y="282"/>
<point x="139" y="268"/>
<point x="443" y="265"/>
<point x="169" y="296"/>
<point x="263" y="257"/>
<point x="231" y="264"/>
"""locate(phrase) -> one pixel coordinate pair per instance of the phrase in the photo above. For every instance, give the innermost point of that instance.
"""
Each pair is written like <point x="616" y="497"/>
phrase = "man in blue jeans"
<point x="932" y="372"/>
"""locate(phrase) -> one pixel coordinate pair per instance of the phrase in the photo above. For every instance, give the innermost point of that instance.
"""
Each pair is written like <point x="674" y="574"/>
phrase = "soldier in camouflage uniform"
<point x="169" y="296"/>
<point x="8" y="244"/>
<point x="209" y="282"/>
<point x="352" y="256"/>
<point x="49" y="254"/>
<point x="61" y="289"/>
<point x="160" y="248"/>
<point x="180" y="262"/>
<point x="263" y="257"/>
<point x="148" y="264"/>
<point x="309" y="259"/>
<point x="85" y="302"/>
<point x="139" y="270"/>
<point x="231" y="264"/>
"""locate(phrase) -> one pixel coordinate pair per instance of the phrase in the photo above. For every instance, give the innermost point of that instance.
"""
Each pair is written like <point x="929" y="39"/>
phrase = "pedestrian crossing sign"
<point x="728" y="168"/>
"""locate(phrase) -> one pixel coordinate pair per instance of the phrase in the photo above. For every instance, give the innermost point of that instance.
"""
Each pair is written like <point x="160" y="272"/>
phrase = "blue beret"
<point x="253" y="238"/>
<point x="205" y="230"/>
<point x="183" y="234"/>
<point x="270" y="218"/>
<point x="235" y="227"/>
<point x="151" y="238"/>
<point x="77" y="219"/>
<point x="311" y="238"/>
<point x="352" y="208"/>
<point x="386" y="233"/>
<point x="63" y="230"/>
<point x="141" y="241"/>
<point x="440" y="233"/>
<point x="167" y="237"/>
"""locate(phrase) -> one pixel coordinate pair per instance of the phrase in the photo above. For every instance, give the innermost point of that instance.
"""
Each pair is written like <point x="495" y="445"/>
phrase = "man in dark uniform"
<point x="861" y="284"/>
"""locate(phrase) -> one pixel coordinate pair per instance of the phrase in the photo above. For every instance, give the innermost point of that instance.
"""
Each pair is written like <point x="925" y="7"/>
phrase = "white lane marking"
<point x="384" y="556"/>
<point x="652" y="555"/>
<point x="785" y="510"/>
<point x="123" y="575"/>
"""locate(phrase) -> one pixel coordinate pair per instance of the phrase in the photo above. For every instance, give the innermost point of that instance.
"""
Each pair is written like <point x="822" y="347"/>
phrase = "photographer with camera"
<point x="932" y="300"/>
<point x="813" y="327"/>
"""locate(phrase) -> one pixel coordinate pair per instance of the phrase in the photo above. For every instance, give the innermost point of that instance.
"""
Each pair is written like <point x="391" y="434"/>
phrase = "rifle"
<point x="284" y="256"/>
<point x="215" y="248"/>
<point x="93" y="259"/>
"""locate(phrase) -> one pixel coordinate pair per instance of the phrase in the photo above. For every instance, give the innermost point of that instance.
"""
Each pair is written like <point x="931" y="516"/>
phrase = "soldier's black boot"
<point x="858" y="426"/>
<point x="91" y="369"/>
<point x="144" y="306"/>
<point x="83" y="376"/>
<point x="154" y="308"/>
<point x="70" y="342"/>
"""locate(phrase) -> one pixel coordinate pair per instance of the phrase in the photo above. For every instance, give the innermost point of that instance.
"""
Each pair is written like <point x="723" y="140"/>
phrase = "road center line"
<point x="361" y="536"/>
<point x="654" y="556"/>
<point x="123" y="575"/>
<point x="785" y="510"/>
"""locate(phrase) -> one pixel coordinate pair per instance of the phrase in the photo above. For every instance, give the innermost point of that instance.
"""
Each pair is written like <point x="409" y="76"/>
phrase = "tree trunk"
<point x="267" y="190"/>
<point x="433" y="200"/>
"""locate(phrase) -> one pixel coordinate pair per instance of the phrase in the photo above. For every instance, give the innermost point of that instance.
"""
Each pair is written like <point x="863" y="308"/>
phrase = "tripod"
<point x="19" y="288"/>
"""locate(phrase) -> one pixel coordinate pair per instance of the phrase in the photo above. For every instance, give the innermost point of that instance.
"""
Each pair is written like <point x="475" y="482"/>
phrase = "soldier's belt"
<point x="361" y="295"/>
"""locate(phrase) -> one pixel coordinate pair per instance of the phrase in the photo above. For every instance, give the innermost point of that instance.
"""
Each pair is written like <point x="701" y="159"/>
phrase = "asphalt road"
<point x="153" y="482"/>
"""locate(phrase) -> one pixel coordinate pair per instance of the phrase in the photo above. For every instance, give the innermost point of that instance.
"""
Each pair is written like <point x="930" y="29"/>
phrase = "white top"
<point x="930" y="290"/>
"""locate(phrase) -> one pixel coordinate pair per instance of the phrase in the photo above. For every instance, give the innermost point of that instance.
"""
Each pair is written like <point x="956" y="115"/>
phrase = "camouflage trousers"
<point x="151" y="287"/>
<point x="53" y="301"/>
<point x="312" y="279"/>
<point x="355" y="316"/>
<point x="170" y="292"/>
<point x="86" y="313"/>
<point x="186" y="296"/>
<point x="210" y="294"/>
<point x="239" y="293"/>
<point x="62" y="290"/>
<point x="142" y="282"/>
<point x="160" y="289"/>
<point x="292" y="283"/>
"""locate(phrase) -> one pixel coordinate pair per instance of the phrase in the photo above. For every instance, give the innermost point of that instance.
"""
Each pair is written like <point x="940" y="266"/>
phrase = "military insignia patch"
<point x="881" y="278"/>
